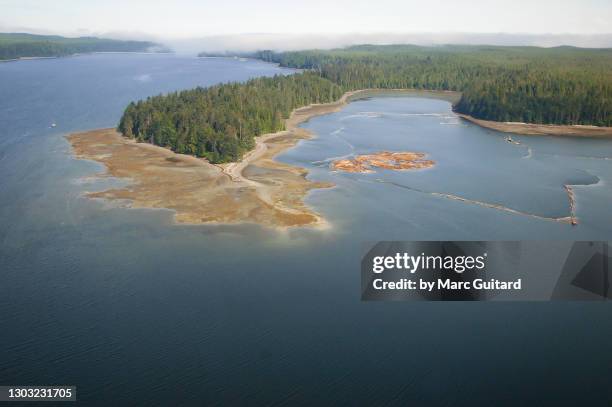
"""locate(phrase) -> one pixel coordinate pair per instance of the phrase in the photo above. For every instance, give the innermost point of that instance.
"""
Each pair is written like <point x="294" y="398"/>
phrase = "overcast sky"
<point x="192" y="18"/>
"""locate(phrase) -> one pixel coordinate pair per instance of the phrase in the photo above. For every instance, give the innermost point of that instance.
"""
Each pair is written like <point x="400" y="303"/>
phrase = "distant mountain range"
<point x="295" y="42"/>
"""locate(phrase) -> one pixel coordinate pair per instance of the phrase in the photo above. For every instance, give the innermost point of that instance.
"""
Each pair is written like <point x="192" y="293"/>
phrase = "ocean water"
<point x="134" y="310"/>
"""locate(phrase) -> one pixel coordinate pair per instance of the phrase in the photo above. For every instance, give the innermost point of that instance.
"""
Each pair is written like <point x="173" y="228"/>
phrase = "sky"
<point x="180" y="20"/>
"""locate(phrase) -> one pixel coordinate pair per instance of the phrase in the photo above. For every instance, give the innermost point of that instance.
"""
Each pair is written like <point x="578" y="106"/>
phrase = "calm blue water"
<point x="137" y="311"/>
<point x="471" y="162"/>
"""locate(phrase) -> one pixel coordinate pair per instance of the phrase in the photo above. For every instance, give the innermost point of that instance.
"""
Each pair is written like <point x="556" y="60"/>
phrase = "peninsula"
<point x="255" y="189"/>
<point x="208" y="153"/>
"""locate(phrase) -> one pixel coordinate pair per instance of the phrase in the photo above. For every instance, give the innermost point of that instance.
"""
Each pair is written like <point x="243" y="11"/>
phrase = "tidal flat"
<point x="270" y="194"/>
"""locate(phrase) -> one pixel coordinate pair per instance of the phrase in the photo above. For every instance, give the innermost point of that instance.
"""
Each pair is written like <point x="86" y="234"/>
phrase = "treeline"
<point x="562" y="85"/>
<point x="220" y="122"/>
<point x="14" y="46"/>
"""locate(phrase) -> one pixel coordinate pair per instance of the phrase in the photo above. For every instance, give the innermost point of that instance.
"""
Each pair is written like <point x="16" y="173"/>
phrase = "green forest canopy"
<point x="17" y="45"/>
<point x="221" y="122"/>
<point x="561" y="85"/>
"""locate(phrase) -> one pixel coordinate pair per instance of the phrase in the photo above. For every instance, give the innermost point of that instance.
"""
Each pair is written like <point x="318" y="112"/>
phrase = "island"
<point x="15" y="46"/>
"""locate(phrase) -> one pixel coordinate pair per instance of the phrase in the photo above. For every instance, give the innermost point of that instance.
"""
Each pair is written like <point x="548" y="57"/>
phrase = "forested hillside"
<point x="525" y="84"/>
<point x="561" y="85"/>
<point x="29" y="45"/>
<point x="221" y="122"/>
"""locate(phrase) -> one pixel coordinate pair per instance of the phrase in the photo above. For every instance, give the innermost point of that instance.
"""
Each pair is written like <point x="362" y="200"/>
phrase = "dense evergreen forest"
<point x="14" y="46"/>
<point x="220" y="122"/>
<point x="562" y="85"/>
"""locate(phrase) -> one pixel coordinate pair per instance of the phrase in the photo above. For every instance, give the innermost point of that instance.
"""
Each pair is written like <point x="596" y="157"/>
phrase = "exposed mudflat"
<point x="196" y="190"/>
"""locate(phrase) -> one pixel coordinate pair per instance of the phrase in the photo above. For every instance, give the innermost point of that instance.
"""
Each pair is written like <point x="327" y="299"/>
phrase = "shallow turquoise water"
<point x="135" y="310"/>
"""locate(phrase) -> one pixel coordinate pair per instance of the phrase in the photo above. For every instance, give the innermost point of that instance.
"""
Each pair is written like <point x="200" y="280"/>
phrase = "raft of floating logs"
<point x="384" y="159"/>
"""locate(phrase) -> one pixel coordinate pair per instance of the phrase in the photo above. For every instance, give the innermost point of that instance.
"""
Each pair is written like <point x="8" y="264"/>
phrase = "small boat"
<point x="53" y="124"/>
<point x="512" y="141"/>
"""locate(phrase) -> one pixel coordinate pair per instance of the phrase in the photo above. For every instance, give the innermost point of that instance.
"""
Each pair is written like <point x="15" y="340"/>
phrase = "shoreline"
<point x="534" y="129"/>
<point x="302" y="114"/>
<point x="257" y="189"/>
<point x="299" y="115"/>
<point x="77" y="54"/>
<point x="29" y="58"/>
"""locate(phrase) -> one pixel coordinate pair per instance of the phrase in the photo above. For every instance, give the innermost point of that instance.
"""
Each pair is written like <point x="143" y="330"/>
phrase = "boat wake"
<point x="327" y="161"/>
<point x="593" y="158"/>
<point x="338" y="131"/>
<point x="371" y="115"/>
